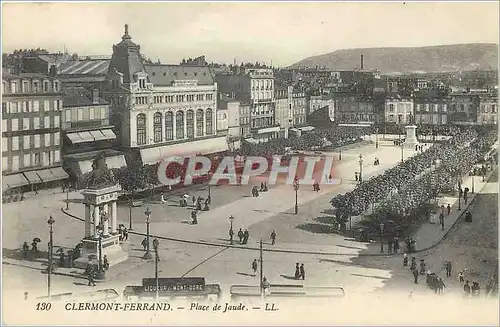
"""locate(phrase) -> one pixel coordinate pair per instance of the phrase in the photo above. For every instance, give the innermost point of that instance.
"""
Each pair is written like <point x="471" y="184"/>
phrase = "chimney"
<point x="95" y="96"/>
<point x="362" y="63"/>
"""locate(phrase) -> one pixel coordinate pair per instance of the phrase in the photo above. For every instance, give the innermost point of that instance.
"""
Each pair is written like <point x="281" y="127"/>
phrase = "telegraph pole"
<point x="261" y="271"/>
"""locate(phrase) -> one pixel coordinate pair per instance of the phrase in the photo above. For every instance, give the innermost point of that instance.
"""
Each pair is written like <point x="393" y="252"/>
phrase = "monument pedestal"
<point x="110" y="248"/>
<point x="411" y="137"/>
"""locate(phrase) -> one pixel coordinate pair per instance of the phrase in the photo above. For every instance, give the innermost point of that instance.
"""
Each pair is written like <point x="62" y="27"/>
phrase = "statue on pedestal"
<point x="100" y="176"/>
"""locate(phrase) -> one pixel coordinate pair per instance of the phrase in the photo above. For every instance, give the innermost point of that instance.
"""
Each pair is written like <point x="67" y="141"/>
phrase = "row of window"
<point x="86" y="114"/>
<point x="436" y="107"/>
<point x="357" y="117"/>
<point x="486" y="108"/>
<point x="23" y="124"/>
<point x="262" y="122"/>
<point x="261" y="95"/>
<point x="14" y="107"/>
<point x="244" y="120"/>
<point x="28" y="160"/>
<point x="261" y="84"/>
<point x="27" y="142"/>
<point x="431" y="119"/>
<point x="401" y="107"/>
<point x="201" y="126"/>
<point x="299" y="120"/>
<point x="400" y="119"/>
<point x="178" y="98"/>
<point x="27" y="86"/>
<point x="487" y="119"/>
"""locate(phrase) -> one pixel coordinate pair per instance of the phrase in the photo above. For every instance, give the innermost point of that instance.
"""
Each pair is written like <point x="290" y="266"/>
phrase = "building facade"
<point x="464" y="108"/>
<point x="87" y="132"/>
<point x="317" y="102"/>
<point x="488" y="110"/>
<point x="228" y="120"/>
<point x="31" y="131"/>
<point x="161" y="110"/>
<point x="351" y="108"/>
<point x="256" y="87"/>
<point x="283" y="110"/>
<point x="399" y="110"/>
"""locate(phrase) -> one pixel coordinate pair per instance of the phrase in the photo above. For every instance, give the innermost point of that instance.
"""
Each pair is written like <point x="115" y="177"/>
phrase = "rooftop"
<point x="79" y="97"/>
<point x="164" y="75"/>
<point x="84" y="67"/>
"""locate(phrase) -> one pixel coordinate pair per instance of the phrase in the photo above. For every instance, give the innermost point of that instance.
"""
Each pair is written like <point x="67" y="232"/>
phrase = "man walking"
<point x="449" y="209"/>
<point x="144" y="243"/>
<point x="273" y="237"/>
<point x="156" y="243"/>
<point x="415" y="276"/>
<point x="91" y="277"/>
<point x="246" y="236"/>
<point x="302" y="272"/>
<point x="448" y="268"/>
<point x="240" y="236"/>
<point x="254" y="267"/>
<point x="297" y="271"/>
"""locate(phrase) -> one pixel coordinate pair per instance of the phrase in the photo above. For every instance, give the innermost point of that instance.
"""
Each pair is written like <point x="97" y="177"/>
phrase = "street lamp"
<point x="376" y="138"/>
<point x="360" y="168"/>
<point x="296" y="189"/>
<point x="147" y="255"/>
<point x="340" y="154"/>
<point x="381" y="238"/>
<point x="67" y="198"/>
<point x="231" y="218"/>
<point x="402" y="153"/>
<point x="459" y="194"/>
<point x="130" y="215"/>
<point x="473" y="178"/>
<point x="51" y="221"/>
<point x="156" y="243"/>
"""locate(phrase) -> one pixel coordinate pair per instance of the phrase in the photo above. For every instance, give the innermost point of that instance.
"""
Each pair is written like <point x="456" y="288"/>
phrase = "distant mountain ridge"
<point x="429" y="59"/>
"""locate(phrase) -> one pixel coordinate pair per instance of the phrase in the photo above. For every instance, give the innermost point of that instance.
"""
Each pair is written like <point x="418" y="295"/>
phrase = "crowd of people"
<point x="419" y="179"/>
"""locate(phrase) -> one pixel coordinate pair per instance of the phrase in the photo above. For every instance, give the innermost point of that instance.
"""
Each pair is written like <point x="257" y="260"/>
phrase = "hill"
<point x="442" y="58"/>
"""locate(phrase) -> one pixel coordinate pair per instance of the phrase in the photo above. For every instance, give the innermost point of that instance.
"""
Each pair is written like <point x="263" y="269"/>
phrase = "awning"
<point x="306" y="128"/>
<point x="46" y="175"/>
<point x="59" y="173"/>
<point x="14" y="180"/>
<point x="86" y="137"/>
<point x="74" y="138"/>
<point x="268" y="130"/>
<point x="32" y="177"/>
<point x="206" y="146"/>
<point x="85" y="166"/>
<point x="116" y="161"/>
<point x="98" y="135"/>
<point x="108" y="134"/>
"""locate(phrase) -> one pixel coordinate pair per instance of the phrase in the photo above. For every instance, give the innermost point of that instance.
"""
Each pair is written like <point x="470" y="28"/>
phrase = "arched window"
<point x="190" y="124"/>
<point x="208" y="118"/>
<point x="157" y="127"/>
<point x="141" y="129"/>
<point x="199" y="122"/>
<point x="169" y="126"/>
<point x="179" y="125"/>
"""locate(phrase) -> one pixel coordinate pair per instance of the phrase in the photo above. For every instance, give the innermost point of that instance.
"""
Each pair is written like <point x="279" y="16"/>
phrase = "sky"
<point x="279" y="32"/>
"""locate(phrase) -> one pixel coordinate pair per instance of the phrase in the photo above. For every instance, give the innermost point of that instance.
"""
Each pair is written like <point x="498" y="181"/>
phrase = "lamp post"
<point x="130" y="215"/>
<point x="459" y="194"/>
<point x="155" y="247"/>
<point x="261" y="270"/>
<point x="376" y="138"/>
<point x="296" y="189"/>
<point x="340" y="154"/>
<point x="231" y="218"/>
<point x="360" y="168"/>
<point x="100" y="231"/>
<point x="147" y="255"/>
<point x="381" y="238"/>
<point x="51" y="222"/>
<point x="473" y="178"/>
<point x="402" y="152"/>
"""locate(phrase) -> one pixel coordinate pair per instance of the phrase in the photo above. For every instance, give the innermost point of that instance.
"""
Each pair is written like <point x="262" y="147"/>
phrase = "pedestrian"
<point x="441" y="286"/>
<point x="467" y="289"/>
<point x="448" y="268"/>
<point x="240" y="236"/>
<point x="461" y="277"/>
<point x="162" y="199"/>
<point x="448" y="208"/>
<point x="273" y="237"/>
<point x="34" y="246"/>
<point x="468" y="217"/>
<point x="105" y="262"/>
<point x="144" y="243"/>
<point x="356" y="176"/>
<point x="413" y="264"/>
<point x="405" y="260"/>
<point x="415" y="276"/>
<point x="125" y="235"/>
<point x="26" y="248"/>
<point x="254" y="267"/>
<point x="266" y="286"/>
<point x="422" y="267"/>
<point x="297" y="270"/>
<point x="302" y="271"/>
<point x="35" y="189"/>
<point x="156" y="244"/>
<point x="428" y="278"/>
<point x="231" y="234"/>
<point x="246" y="236"/>
<point x="389" y="246"/>
<point x="91" y="277"/>
<point x="194" y="200"/>
<point x="194" y="217"/>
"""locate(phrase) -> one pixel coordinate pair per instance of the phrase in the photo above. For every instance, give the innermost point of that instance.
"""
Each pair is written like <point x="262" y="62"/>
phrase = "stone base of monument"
<point x="110" y="248"/>
<point x="411" y="137"/>
<point x="410" y="144"/>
